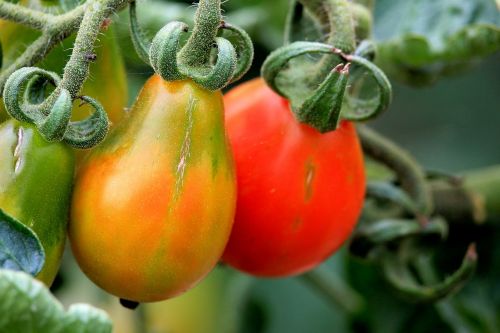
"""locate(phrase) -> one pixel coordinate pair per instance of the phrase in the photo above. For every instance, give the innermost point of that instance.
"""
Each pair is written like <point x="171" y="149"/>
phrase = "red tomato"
<point x="300" y="192"/>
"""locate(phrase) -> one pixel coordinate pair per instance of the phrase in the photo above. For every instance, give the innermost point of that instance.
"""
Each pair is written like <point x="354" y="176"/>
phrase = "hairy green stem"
<point x="77" y="68"/>
<point x="341" y="29"/>
<point x="208" y="19"/>
<point x="33" y="54"/>
<point x="54" y="31"/>
<point x="319" y="9"/>
<point x="336" y="18"/>
<point x="28" y="17"/>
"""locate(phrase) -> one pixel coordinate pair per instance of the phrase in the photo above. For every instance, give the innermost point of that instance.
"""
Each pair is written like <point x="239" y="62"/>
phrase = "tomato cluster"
<point x="153" y="206"/>
<point x="161" y="191"/>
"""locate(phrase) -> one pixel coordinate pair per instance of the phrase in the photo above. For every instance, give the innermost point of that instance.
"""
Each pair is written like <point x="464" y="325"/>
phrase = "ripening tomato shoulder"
<point x="153" y="204"/>
<point x="300" y="192"/>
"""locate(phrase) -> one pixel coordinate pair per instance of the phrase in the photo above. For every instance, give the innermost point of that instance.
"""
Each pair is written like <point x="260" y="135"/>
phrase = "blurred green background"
<point x="452" y="125"/>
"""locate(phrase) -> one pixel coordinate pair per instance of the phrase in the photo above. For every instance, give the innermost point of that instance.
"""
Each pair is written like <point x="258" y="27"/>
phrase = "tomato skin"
<point x="153" y="205"/>
<point x="107" y="80"/>
<point x="300" y="192"/>
<point x="36" y="178"/>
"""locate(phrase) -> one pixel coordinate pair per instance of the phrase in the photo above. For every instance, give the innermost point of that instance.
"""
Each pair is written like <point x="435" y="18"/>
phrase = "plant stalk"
<point x="25" y="16"/>
<point x="477" y="199"/>
<point x="54" y="30"/>
<point x="208" y="19"/>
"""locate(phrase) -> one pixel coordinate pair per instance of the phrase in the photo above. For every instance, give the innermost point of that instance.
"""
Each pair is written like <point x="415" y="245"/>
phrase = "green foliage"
<point x="28" y="307"/>
<point x="421" y="41"/>
<point x="20" y="248"/>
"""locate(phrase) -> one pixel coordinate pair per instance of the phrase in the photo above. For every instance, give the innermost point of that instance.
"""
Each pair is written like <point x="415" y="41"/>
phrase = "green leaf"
<point x="83" y="318"/>
<point x="27" y="306"/>
<point x="421" y="41"/>
<point x="20" y="248"/>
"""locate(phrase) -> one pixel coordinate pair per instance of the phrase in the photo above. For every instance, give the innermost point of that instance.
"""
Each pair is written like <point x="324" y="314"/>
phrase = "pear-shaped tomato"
<point x="35" y="188"/>
<point x="154" y="204"/>
<point x="300" y="192"/>
<point x="107" y="81"/>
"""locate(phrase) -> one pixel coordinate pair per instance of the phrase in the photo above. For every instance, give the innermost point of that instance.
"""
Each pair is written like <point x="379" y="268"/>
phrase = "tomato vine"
<point x="163" y="182"/>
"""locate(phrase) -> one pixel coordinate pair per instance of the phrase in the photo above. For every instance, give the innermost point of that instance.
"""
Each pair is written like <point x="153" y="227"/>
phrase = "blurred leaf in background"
<point x="420" y="41"/>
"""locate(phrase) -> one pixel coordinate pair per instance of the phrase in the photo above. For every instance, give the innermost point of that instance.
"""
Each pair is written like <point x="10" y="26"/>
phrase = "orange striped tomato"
<point x="154" y="204"/>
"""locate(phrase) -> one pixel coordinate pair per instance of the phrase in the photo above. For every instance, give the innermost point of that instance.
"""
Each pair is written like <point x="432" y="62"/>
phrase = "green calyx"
<point x="323" y="106"/>
<point x="52" y="119"/>
<point x="341" y="81"/>
<point x="195" y="59"/>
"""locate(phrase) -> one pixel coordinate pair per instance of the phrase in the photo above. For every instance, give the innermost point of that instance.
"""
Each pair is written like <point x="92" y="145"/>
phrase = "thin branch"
<point x="28" y="17"/>
<point x="55" y="29"/>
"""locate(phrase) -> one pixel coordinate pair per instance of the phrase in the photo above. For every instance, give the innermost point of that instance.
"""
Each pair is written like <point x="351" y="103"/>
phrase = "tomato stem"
<point x="77" y="68"/>
<point x="317" y="97"/>
<point x="336" y="17"/>
<point x="52" y="115"/>
<point x="54" y="30"/>
<point x="336" y="21"/>
<point x="475" y="199"/>
<point x="194" y="59"/>
<point x="207" y="22"/>
<point x="25" y="16"/>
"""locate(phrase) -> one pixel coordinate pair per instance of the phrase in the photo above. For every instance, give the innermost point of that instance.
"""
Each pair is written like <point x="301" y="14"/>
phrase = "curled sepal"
<point x="53" y="127"/>
<point x="396" y="269"/>
<point x="91" y="131"/>
<point x="322" y="108"/>
<point x="358" y="107"/>
<point x="244" y="50"/>
<point x="164" y="49"/>
<point x="279" y="59"/>
<point x="392" y="231"/>
<point x="137" y="36"/>
<point x="221" y="73"/>
<point x="19" y="105"/>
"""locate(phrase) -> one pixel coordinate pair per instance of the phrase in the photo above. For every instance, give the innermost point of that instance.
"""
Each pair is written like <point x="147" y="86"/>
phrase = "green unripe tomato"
<point x="35" y="188"/>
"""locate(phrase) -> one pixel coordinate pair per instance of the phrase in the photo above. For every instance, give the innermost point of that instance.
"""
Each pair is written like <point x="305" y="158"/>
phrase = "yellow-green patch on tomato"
<point x="154" y="203"/>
